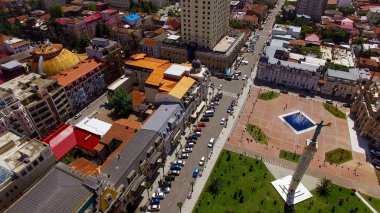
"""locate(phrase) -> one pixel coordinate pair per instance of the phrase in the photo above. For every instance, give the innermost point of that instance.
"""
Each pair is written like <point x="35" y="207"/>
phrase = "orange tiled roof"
<point x="149" y="42"/>
<point x="368" y="61"/>
<point x="68" y="76"/>
<point x="145" y="62"/>
<point x="250" y="18"/>
<point x="138" y="97"/>
<point x="85" y="166"/>
<point x="155" y="78"/>
<point x="182" y="87"/>
<point x="129" y="123"/>
<point x="19" y="44"/>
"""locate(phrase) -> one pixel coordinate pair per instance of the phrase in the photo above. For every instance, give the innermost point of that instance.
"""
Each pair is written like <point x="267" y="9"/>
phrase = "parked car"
<point x="154" y="207"/>
<point x="233" y="103"/>
<point x="192" y="141"/>
<point x="223" y="121"/>
<point x="173" y="172"/>
<point x="198" y="134"/>
<point x="159" y="195"/>
<point x="165" y="189"/>
<point x="183" y="156"/>
<point x="180" y="162"/>
<point x="166" y="184"/>
<point x="202" y="161"/>
<point x="211" y="143"/>
<point x="201" y="124"/>
<point x="197" y="130"/>
<point x="189" y="145"/>
<point x="175" y="167"/>
<point x="229" y="110"/>
<point x="196" y="172"/>
<point x="187" y="150"/>
<point x="329" y="102"/>
<point x="170" y="178"/>
<point x="204" y="119"/>
<point x="155" y="201"/>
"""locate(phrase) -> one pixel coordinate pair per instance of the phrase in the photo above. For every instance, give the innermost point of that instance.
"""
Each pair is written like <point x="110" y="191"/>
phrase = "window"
<point x="29" y="168"/>
<point x="35" y="163"/>
<point x="41" y="158"/>
<point x="23" y="173"/>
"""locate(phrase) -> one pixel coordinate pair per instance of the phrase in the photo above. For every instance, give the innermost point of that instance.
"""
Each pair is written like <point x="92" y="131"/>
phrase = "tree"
<point x="358" y="41"/>
<point x="347" y="10"/>
<point x="180" y="204"/>
<point x="215" y="185"/>
<point x="56" y="11"/>
<point x="83" y="43"/>
<point x="121" y="101"/>
<point x="192" y="183"/>
<point x="324" y="187"/>
<point x="147" y="187"/>
<point x="91" y="6"/>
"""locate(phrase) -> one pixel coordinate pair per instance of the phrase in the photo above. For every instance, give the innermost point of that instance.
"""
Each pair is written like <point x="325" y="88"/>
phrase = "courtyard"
<point x="266" y="116"/>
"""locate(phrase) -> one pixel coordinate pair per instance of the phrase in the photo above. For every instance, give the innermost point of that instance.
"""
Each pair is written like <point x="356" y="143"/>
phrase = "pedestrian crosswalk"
<point x="230" y="94"/>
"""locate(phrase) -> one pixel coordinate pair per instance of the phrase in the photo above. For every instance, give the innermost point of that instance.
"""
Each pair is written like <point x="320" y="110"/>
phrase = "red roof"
<point x="61" y="21"/>
<point x="93" y="17"/>
<point x="347" y="24"/>
<point x="86" y="139"/>
<point x="61" y="140"/>
<point x="65" y="137"/>
<point x="313" y="39"/>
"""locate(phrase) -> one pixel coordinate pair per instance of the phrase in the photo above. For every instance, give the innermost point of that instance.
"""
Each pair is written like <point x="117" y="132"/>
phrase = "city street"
<point x="181" y="186"/>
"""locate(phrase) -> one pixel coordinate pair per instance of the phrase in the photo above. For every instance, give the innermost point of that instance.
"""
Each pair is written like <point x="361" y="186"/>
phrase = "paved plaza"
<point x="265" y="114"/>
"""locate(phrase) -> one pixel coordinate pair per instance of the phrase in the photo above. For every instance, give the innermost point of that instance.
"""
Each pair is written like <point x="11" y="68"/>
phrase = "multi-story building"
<point x="110" y="54"/>
<point x="366" y="109"/>
<point x="126" y="37"/>
<point x="150" y="47"/>
<point x="373" y="15"/>
<point x="249" y="21"/>
<point x="36" y="99"/>
<point x="83" y="83"/>
<point x="204" y="22"/>
<point x="22" y="162"/>
<point x="16" y="45"/>
<point x="67" y="190"/>
<point x="286" y="32"/>
<point x="312" y="8"/>
<point x="120" y="4"/>
<point x="344" y="84"/>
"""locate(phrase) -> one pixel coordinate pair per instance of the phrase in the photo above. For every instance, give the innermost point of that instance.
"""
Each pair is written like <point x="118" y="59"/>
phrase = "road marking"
<point x="230" y="94"/>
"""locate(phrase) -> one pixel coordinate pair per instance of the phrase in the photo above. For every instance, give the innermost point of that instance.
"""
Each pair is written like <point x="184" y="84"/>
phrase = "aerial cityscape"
<point x="197" y="106"/>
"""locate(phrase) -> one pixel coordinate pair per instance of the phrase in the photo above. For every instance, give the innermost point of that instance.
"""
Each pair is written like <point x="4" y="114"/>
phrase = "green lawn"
<point x="316" y="50"/>
<point x="375" y="202"/>
<point x="290" y="156"/>
<point x="336" y="66"/>
<point x="241" y="176"/>
<point x="266" y="96"/>
<point x="338" y="156"/>
<point x="257" y="134"/>
<point x="334" y="111"/>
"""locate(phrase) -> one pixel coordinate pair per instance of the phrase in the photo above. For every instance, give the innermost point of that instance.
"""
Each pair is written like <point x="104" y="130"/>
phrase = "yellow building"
<point x="51" y="59"/>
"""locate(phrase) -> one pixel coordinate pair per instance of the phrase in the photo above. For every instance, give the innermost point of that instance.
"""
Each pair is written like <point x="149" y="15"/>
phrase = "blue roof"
<point x="131" y="17"/>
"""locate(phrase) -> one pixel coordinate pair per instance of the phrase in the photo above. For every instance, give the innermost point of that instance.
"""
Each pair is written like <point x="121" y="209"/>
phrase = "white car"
<point x="198" y="134"/>
<point x="183" y="156"/>
<point x="180" y="162"/>
<point x="244" y="77"/>
<point x="223" y="121"/>
<point x="154" y="207"/>
<point x="173" y="172"/>
<point x="220" y="87"/>
<point x="159" y="195"/>
<point x="202" y="161"/>
<point x="165" y="189"/>
<point x="211" y="143"/>
<point x="187" y="150"/>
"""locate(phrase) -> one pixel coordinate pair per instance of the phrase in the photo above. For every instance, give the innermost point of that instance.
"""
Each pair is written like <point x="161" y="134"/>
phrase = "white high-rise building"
<point x="204" y="22"/>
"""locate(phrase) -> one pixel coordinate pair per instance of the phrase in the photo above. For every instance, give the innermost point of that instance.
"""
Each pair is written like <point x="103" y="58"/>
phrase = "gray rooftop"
<point x="57" y="191"/>
<point x="117" y="169"/>
<point x="10" y="65"/>
<point x="161" y="116"/>
<point x="353" y="74"/>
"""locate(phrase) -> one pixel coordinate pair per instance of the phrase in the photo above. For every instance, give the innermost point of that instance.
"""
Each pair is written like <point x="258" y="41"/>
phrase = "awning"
<point x="199" y="109"/>
<point x="155" y="157"/>
<point x="138" y="183"/>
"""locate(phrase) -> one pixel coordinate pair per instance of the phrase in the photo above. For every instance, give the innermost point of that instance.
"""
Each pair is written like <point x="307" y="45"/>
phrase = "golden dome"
<point x="55" y="59"/>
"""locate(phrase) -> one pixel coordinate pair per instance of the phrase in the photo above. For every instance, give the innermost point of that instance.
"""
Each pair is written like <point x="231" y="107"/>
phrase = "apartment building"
<point x="110" y="54"/>
<point x="22" y="162"/>
<point x="204" y="22"/>
<point x="83" y="83"/>
<point x="312" y="8"/>
<point x="150" y="47"/>
<point x="32" y="101"/>
<point x="366" y="109"/>
<point x="16" y="45"/>
<point x="344" y="84"/>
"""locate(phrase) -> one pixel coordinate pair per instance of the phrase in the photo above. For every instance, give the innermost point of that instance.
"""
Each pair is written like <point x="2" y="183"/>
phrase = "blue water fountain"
<point x="298" y="121"/>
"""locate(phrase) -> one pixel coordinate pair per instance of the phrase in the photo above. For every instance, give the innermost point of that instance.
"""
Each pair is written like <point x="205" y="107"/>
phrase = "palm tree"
<point x="192" y="183"/>
<point x="147" y="187"/>
<point x="180" y="204"/>
<point x="324" y="187"/>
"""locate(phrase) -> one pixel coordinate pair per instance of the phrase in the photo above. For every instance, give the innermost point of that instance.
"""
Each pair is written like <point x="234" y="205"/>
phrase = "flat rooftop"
<point x="224" y="44"/>
<point x="177" y="70"/>
<point x="94" y="126"/>
<point x="338" y="56"/>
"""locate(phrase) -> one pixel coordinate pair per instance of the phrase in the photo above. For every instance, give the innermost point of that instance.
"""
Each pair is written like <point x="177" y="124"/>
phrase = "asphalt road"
<point x="181" y="186"/>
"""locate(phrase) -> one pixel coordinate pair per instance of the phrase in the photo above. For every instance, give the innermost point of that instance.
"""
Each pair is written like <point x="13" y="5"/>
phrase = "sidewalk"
<point x="169" y="159"/>
<point x="200" y="182"/>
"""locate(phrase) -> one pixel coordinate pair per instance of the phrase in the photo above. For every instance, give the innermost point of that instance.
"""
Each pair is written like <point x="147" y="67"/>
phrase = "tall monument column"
<point x="306" y="157"/>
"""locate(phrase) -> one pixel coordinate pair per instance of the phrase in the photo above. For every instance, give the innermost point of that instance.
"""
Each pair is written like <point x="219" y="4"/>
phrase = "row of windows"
<point x="30" y="167"/>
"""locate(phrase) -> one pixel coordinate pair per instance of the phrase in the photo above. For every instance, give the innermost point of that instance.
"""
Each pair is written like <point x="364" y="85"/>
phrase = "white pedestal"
<point x="281" y="185"/>
<point x="308" y="141"/>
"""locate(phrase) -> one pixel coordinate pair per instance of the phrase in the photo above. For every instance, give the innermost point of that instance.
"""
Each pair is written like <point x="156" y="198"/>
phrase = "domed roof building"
<point x="51" y="59"/>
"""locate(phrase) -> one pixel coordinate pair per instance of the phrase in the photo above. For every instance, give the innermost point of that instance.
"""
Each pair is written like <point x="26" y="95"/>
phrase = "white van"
<point x="209" y="113"/>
